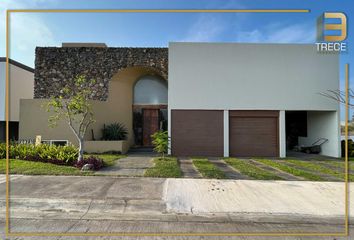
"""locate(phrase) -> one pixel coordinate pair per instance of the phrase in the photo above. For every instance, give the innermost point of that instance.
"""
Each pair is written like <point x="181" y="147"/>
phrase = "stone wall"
<point x="57" y="67"/>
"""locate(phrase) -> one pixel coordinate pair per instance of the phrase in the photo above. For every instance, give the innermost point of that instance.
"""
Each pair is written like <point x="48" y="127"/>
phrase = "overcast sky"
<point x="28" y="30"/>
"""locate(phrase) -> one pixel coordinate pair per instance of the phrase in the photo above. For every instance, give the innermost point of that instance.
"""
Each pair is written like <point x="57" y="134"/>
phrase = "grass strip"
<point x="164" y="168"/>
<point x="340" y="164"/>
<point x="294" y="171"/>
<point x="27" y="167"/>
<point x="208" y="169"/>
<point x="320" y="168"/>
<point x="251" y="170"/>
<point x="39" y="168"/>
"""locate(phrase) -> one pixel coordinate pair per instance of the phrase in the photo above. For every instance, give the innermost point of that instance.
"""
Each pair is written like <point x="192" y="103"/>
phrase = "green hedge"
<point x="350" y="148"/>
<point x="63" y="155"/>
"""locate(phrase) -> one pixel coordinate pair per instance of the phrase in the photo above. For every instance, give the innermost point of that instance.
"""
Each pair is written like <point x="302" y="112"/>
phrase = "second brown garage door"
<point x="253" y="133"/>
<point x="197" y="133"/>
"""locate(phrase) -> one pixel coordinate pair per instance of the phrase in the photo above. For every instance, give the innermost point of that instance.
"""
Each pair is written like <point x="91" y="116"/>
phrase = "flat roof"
<point x="17" y="64"/>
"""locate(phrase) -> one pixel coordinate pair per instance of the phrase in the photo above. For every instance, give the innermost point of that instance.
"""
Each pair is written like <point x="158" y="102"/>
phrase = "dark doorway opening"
<point x="295" y="127"/>
<point x="13" y="131"/>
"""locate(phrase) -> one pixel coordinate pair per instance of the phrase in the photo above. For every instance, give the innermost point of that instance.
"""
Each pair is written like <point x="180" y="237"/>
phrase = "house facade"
<point x="251" y="99"/>
<point x="131" y="89"/>
<point x="215" y="99"/>
<point x="21" y="82"/>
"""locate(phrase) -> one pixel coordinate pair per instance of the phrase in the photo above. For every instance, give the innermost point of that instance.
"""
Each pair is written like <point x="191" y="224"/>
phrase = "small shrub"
<point x="95" y="161"/>
<point x="160" y="142"/>
<point x="114" y="132"/>
<point x="2" y="150"/>
<point x="350" y="148"/>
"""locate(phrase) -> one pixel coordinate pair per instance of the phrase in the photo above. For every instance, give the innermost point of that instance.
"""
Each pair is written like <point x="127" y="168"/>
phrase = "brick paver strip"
<point x="228" y="170"/>
<point x="323" y="175"/>
<point x="285" y="175"/>
<point x="188" y="169"/>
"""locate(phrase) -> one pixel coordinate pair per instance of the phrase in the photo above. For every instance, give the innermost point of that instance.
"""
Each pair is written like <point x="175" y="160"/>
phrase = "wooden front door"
<point x="150" y="125"/>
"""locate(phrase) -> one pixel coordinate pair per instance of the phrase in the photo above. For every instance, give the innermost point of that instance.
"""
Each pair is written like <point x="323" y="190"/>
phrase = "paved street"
<point x="106" y="226"/>
<point x="150" y="205"/>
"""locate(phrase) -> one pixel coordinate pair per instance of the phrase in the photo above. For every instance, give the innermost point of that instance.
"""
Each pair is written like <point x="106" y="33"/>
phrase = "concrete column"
<point x="226" y="133"/>
<point x="169" y="129"/>
<point x="282" y="134"/>
<point x="338" y="132"/>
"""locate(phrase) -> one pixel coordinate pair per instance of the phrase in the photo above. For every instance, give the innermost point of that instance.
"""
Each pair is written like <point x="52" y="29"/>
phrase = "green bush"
<point x="114" y="132"/>
<point x="350" y="148"/>
<point x="160" y="142"/>
<point x="65" y="155"/>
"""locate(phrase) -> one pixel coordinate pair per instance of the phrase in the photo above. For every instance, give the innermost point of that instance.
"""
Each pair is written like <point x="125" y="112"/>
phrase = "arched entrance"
<point x="149" y="108"/>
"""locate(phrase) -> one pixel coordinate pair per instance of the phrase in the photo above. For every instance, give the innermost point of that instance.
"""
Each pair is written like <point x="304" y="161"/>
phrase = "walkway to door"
<point x="134" y="165"/>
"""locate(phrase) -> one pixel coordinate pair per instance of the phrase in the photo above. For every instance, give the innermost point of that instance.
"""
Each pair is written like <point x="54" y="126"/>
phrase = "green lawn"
<point x="208" y="169"/>
<point x="320" y="168"/>
<point x="164" y="168"/>
<point x="251" y="170"/>
<point x="339" y="164"/>
<point x="39" y="168"/>
<point x="294" y="171"/>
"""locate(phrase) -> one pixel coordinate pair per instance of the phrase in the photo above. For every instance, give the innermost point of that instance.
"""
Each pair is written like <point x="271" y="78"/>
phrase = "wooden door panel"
<point x="197" y="133"/>
<point x="150" y="124"/>
<point x="253" y="136"/>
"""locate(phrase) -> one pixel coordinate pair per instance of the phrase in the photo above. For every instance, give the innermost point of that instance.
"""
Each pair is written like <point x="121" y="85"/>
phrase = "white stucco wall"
<point x="282" y="134"/>
<point x="21" y="87"/>
<point x="321" y="125"/>
<point x="2" y="90"/>
<point x="232" y="76"/>
<point x="250" y="76"/>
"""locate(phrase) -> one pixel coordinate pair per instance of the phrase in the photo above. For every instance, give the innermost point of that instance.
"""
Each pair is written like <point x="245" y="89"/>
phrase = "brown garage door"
<point x="253" y="133"/>
<point x="197" y="132"/>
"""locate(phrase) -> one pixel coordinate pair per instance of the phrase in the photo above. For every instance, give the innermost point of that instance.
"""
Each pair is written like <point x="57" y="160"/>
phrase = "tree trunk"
<point x="81" y="150"/>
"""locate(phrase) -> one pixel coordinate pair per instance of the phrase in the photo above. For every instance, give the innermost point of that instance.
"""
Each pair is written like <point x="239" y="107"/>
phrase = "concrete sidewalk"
<point x="174" y="200"/>
<point x="266" y="198"/>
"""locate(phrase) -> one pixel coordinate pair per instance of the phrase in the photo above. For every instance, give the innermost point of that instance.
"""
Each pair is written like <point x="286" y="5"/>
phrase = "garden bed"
<point x="121" y="146"/>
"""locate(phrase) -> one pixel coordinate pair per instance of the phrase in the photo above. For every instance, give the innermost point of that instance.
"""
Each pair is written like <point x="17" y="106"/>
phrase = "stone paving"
<point x="188" y="169"/>
<point x="284" y="175"/>
<point x="323" y="175"/>
<point x="230" y="172"/>
<point x="134" y="165"/>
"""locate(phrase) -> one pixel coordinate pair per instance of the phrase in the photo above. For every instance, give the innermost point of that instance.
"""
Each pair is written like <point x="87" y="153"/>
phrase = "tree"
<point x="160" y="141"/>
<point x="340" y="96"/>
<point x="73" y="105"/>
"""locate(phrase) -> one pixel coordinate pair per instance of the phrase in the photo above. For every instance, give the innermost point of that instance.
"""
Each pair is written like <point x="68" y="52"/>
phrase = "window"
<point x="150" y="90"/>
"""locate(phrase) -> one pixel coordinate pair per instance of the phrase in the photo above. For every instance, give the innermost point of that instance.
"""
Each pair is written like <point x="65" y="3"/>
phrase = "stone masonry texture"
<point x="56" y="67"/>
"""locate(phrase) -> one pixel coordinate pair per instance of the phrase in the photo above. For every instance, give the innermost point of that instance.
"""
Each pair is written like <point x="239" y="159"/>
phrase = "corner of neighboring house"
<point x="21" y="84"/>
